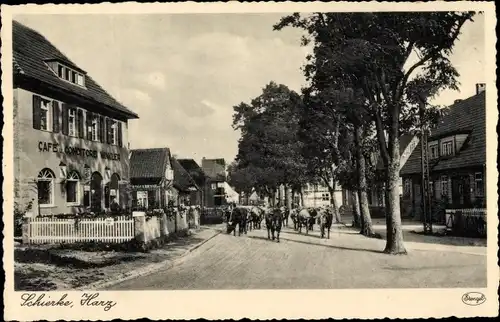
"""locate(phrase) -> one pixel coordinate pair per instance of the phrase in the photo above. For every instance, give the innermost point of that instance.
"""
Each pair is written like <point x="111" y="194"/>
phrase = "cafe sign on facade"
<point x="72" y="150"/>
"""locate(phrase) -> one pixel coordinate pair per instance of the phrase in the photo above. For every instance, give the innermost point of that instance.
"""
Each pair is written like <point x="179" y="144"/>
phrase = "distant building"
<point x="201" y="180"/>
<point x="457" y="158"/>
<point x="70" y="136"/>
<point x="158" y="179"/>
<point x="215" y="169"/>
<point x="318" y="195"/>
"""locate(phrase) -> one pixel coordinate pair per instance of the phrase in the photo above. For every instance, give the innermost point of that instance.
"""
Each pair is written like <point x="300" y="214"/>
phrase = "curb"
<point x="166" y="264"/>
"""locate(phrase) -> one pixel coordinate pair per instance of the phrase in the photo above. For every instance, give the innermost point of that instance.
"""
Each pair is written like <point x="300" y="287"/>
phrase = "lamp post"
<point x="426" y="202"/>
<point x="62" y="170"/>
<point x="108" y="173"/>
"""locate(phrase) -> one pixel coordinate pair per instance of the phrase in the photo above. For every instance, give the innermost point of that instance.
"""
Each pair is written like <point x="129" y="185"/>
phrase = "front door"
<point x="460" y="191"/>
<point x="96" y="192"/>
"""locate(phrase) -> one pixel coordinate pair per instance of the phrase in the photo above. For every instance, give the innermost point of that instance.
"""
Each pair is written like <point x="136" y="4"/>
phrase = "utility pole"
<point x="426" y="200"/>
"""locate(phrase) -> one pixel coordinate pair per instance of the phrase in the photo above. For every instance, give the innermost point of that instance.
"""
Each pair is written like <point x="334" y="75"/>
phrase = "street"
<point x="346" y="260"/>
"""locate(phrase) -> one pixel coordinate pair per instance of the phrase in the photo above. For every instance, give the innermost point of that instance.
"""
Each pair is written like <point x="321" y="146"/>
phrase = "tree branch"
<point x="381" y="137"/>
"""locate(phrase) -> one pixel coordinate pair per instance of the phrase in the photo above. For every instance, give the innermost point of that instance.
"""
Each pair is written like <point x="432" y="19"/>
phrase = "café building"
<point x="70" y="136"/>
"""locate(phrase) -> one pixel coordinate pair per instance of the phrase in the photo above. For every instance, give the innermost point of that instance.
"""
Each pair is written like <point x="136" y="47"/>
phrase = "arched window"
<point x="73" y="188"/>
<point x="111" y="191"/>
<point x="45" y="185"/>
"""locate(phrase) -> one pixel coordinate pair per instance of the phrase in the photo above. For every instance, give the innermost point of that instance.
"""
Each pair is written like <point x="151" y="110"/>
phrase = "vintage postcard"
<point x="249" y="160"/>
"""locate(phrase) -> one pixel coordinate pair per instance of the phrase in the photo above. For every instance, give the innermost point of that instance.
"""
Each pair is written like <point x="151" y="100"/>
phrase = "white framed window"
<point x="444" y="186"/>
<point x="479" y="184"/>
<point x="70" y="75"/>
<point x="45" y="115"/>
<point x="45" y="188"/>
<point x="80" y="80"/>
<point x="72" y="122"/>
<point x="325" y="196"/>
<point x="142" y="199"/>
<point x="94" y="127"/>
<point x="60" y="71"/>
<point x="433" y="151"/>
<point x="73" y="188"/>
<point x="447" y="148"/>
<point x="113" y="132"/>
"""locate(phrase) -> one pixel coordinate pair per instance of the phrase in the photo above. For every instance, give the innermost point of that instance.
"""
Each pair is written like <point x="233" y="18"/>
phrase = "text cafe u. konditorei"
<point x="70" y="136"/>
<point x="77" y="151"/>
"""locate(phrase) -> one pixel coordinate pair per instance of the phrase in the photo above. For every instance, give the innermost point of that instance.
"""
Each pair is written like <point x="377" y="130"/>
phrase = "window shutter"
<point x="37" y="106"/>
<point x="55" y="117"/>
<point x="65" y="116"/>
<point x="108" y="131"/>
<point x="101" y="129"/>
<point x="119" y="134"/>
<point x="89" y="125"/>
<point x="79" y="120"/>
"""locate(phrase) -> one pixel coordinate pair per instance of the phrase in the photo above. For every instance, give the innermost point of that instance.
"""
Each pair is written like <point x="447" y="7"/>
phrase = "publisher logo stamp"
<point x="473" y="298"/>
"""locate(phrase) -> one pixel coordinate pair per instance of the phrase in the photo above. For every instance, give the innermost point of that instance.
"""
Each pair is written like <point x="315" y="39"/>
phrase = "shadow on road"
<point x="323" y="245"/>
<point x="293" y="232"/>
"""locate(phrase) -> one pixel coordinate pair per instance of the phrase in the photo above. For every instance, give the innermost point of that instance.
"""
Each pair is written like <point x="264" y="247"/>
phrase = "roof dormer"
<point x="67" y="72"/>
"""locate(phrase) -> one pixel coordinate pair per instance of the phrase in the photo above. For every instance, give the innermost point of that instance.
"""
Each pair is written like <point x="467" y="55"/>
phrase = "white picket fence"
<point x="45" y="230"/>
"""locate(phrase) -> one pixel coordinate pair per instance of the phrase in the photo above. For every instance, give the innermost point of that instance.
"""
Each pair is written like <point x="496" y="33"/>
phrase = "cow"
<point x="285" y="213"/>
<point x="306" y="217"/>
<point x="238" y="218"/>
<point x="256" y="215"/>
<point x="274" y="220"/>
<point x="325" y="220"/>
<point x="294" y="216"/>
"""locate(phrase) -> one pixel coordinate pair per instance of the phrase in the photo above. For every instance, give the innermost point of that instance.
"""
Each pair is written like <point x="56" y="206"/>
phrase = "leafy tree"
<point x="268" y="144"/>
<point x="372" y="52"/>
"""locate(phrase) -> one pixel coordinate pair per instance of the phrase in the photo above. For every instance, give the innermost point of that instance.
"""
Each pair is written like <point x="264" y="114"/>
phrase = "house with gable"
<point x="71" y="137"/>
<point x="158" y="180"/>
<point x="215" y="169"/>
<point x="200" y="178"/>
<point x="457" y="158"/>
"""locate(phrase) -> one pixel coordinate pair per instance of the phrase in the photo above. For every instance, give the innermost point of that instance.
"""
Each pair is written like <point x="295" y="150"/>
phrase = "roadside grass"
<point x="64" y="267"/>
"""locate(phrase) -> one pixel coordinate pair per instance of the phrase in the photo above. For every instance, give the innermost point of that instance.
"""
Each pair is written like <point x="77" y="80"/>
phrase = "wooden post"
<point x="26" y="230"/>
<point x="139" y="225"/>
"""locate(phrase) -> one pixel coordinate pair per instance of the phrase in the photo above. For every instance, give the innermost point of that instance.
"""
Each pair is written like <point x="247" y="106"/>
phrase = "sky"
<point x="183" y="73"/>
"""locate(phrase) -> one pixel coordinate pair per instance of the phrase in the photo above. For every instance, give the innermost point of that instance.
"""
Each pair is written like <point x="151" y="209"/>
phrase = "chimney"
<point x="480" y="87"/>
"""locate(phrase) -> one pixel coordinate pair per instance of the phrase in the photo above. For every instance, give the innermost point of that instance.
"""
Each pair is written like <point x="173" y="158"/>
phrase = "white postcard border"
<point x="266" y="304"/>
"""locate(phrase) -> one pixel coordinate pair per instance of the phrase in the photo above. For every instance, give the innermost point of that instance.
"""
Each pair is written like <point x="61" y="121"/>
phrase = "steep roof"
<point x="149" y="163"/>
<point x="215" y="169"/>
<point x="466" y="116"/>
<point x="194" y="170"/>
<point x="182" y="179"/>
<point x="404" y="140"/>
<point x="31" y="50"/>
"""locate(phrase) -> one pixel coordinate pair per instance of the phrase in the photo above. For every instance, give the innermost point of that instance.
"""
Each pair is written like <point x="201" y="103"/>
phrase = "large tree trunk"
<point x="301" y="198"/>
<point x="333" y="202"/>
<point x="288" y="197"/>
<point x="366" y="220"/>
<point x="395" y="243"/>
<point x="356" y="210"/>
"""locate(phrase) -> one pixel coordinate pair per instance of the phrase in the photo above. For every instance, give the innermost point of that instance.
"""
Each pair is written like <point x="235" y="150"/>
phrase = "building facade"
<point x="318" y="195"/>
<point x="158" y="180"/>
<point x="215" y="169"/>
<point x="200" y="178"/>
<point x="70" y="136"/>
<point x="457" y="159"/>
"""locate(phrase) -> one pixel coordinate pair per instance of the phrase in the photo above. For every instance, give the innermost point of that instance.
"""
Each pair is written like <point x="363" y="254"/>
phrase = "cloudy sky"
<point x="183" y="73"/>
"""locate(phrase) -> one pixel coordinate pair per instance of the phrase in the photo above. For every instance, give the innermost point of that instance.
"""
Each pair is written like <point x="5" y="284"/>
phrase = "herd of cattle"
<point x="250" y="217"/>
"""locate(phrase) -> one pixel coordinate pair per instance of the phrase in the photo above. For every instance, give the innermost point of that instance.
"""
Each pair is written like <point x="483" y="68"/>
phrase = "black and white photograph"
<point x="258" y="150"/>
